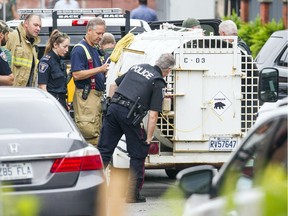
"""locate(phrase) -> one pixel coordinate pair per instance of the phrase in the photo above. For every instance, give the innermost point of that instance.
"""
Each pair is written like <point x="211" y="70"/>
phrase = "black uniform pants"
<point x="61" y="98"/>
<point x="116" y="124"/>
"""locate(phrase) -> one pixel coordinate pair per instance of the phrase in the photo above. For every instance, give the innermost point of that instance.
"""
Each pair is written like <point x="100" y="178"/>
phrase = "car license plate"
<point x="222" y="143"/>
<point x="14" y="171"/>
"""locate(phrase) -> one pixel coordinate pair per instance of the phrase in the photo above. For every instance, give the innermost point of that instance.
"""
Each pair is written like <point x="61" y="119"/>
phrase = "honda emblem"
<point x="13" y="147"/>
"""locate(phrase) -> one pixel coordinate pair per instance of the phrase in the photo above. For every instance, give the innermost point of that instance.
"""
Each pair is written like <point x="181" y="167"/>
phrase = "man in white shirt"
<point x="66" y="4"/>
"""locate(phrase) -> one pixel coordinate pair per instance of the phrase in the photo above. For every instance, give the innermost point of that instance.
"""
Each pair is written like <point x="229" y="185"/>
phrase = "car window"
<point x="250" y="159"/>
<point x="277" y="154"/>
<point x="273" y="43"/>
<point x="31" y="116"/>
<point x="283" y="59"/>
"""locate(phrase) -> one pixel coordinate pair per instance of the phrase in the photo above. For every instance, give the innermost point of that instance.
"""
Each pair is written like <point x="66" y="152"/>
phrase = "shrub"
<point x="254" y="33"/>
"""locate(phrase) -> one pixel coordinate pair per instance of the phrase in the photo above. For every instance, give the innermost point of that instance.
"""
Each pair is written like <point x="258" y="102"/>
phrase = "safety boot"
<point x="137" y="198"/>
<point x="133" y="195"/>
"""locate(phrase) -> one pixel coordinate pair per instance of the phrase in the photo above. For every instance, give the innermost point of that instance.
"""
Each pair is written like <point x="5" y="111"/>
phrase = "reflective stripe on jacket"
<point x="22" y="52"/>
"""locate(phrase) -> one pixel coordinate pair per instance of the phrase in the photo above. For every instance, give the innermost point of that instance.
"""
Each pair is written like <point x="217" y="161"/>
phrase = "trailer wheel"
<point x="171" y="173"/>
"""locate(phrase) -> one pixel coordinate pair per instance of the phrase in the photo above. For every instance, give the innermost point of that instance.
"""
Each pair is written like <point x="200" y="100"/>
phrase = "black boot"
<point x="137" y="198"/>
<point x="133" y="195"/>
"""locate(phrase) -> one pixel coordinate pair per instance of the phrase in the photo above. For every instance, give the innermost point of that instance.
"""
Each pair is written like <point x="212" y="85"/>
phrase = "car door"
<point x="265" y="146"/>
<point x="251" y="176"/>
<point x="281" y="63"/>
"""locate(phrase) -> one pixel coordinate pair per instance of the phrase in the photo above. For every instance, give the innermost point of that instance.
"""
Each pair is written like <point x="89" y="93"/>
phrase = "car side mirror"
<point x="268" y="85"/>
<point x="196" y="180"/>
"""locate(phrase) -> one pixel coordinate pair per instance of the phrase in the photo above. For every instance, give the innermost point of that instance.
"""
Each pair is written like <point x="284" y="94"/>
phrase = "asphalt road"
<point x="163" y="198"/>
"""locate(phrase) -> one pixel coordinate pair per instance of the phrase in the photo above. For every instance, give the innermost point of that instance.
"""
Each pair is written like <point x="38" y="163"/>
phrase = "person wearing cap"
<point x="191" y="23"/>
<point x="23" y="46"/>
<point x="6" y="76"/>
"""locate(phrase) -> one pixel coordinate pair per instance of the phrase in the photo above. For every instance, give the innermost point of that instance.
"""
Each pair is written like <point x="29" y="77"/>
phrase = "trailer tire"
<point x="171" y="173"/>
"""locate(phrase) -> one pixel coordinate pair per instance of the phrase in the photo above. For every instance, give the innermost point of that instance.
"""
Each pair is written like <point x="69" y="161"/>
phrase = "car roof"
<point x="280" y="33"/>
<point x="22" y="92"/>
<point x="271" y="49"/>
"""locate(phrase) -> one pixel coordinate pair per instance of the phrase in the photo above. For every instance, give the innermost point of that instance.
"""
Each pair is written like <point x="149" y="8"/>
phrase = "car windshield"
<point x="264" y="54"/>
<point x="31" y="116"/>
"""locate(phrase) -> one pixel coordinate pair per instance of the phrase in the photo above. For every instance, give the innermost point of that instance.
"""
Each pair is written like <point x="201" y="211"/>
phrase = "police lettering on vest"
<point x="142" y="82"/>
<point x="142" y="71"/>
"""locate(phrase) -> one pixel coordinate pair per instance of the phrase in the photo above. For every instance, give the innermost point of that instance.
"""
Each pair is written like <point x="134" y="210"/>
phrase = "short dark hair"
<point x="29" y="16"/>
<point x="143" y="2"/>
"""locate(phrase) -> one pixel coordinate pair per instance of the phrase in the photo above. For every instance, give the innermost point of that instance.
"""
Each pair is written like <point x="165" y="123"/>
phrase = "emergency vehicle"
<point x="211" y="96"/>
<point x="210" y="100"/>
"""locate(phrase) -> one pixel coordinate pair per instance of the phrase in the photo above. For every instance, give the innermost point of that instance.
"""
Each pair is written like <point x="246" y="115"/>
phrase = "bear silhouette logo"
<point x="219" y="105"/>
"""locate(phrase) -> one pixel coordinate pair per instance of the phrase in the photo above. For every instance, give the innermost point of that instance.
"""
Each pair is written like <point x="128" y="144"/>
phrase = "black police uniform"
<point x="52" y="72"/>
<point x="4" y="66"/>
<point x="142" y="83"/>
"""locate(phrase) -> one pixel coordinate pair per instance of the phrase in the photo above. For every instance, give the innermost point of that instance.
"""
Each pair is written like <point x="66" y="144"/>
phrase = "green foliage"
<point x="235" y="18"/>
<point x="254" y="33"/>
<point x="26" y="205"/>
<point x="274" y="185"/>
<point x="262" y="35"/>
<point x="247" y="31"/>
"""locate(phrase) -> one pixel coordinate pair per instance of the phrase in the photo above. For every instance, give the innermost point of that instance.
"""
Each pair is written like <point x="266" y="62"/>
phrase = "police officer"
<point x="136" y="92"/>
<point x="52" y="75"/>
<point x="6" y="76"/>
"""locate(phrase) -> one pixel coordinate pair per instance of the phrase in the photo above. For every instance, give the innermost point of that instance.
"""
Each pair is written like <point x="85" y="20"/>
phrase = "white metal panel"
<point x="191" y="157"/>
<point x="209" y="104"/>
<point x="188" y="112"/>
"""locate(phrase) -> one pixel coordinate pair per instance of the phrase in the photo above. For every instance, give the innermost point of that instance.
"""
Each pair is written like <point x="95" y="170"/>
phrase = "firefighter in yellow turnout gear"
<point x="89" y="77"/>
<point x="23" y="46"/>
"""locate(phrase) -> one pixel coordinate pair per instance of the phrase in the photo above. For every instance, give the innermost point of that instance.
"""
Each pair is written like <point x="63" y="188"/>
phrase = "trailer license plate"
<point x="14" y="171"/>
<point x="222" y="143"/>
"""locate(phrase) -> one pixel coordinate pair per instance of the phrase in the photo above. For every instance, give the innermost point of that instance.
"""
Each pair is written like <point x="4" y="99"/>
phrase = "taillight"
<point x="79" y="22"/>
<point x="154" y="148"/>
<point x="75" y="164"/>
